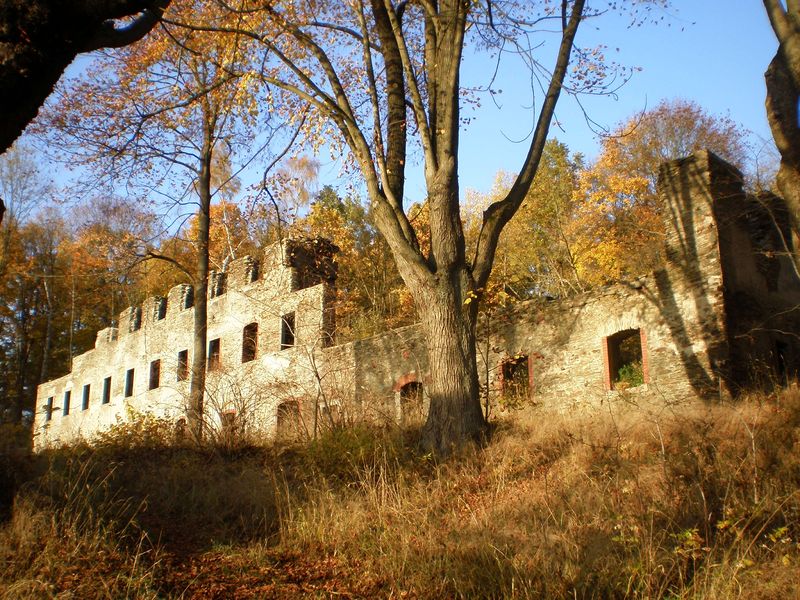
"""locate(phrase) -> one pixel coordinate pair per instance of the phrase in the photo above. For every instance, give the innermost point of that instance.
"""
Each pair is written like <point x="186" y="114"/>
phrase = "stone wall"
<point x="711" y="322"/>
<point x="719" y="316"/>
<point x="158" y="332"/>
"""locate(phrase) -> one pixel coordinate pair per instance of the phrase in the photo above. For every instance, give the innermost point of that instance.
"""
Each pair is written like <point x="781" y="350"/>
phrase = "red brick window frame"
<point x="404" y="380"/>
<point x="625" y="359"/>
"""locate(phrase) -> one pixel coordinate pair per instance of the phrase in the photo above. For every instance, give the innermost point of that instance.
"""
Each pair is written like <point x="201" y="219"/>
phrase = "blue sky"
<point x="713" y="52"/>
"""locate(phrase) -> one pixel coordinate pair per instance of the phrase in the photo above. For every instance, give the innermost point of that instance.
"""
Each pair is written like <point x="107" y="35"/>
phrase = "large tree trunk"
<point x="783" y="95"/>
<point x="455" y="414"/>
<point x="198" y="381"/>
<point x="782" y="112"/>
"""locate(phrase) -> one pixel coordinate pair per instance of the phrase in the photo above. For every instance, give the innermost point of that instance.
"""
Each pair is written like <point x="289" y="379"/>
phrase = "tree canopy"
<point x="40" y="38"/>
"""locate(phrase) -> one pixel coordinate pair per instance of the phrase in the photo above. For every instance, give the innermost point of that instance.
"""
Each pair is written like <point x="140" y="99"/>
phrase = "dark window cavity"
<point x="160" y="309"/>
<point x="106" y="390"/>
<point x="287" y="331"/>
<point x="155" y="374"/>
<point x="411" y="402"/>
<point x="129" y="383"/>
<point x="217" y="284"/>
<point x="183" y="365"/>
<point x="249" y="342"/>
<point x="252" y="271"/>
<point x="136" y="319"/>
<point x="516" y="380"/>
<point x="213" y="355"/>
<point x="85" y="399"/>
<point x="188" y="297"/>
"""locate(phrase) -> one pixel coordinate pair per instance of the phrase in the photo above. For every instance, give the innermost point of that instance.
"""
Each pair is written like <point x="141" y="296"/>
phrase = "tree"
<point x="619" y="225"/>
<point x="22" y="187"/>
<point x="535" y="254"/>
<point x="369" y="290"/>
<point x="40" y="38"/>
<point x="375" y="71"/>
<point x="673" y="128"/>
<point x="783" y="96"/>
<point x="168" y="115"/>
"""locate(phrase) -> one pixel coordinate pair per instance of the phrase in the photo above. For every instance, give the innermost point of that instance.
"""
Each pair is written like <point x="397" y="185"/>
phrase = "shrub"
<point x="630" y="375"/>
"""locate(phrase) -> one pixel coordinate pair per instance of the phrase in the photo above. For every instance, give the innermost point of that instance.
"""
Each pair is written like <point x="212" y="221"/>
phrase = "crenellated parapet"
<point x="105" y="337"/>
<point x="285" y="267"/>
<point x="243" y="271"/>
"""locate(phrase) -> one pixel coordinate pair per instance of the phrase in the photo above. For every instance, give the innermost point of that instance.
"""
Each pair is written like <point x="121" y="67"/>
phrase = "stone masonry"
<point x="720" y="316"/>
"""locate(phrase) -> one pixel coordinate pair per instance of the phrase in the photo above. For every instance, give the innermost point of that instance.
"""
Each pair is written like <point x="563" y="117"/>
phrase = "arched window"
<point x="290" y="422"/>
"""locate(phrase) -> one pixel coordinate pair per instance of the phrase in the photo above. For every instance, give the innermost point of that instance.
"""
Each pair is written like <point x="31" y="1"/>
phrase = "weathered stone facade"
<point x="721" y="315"/>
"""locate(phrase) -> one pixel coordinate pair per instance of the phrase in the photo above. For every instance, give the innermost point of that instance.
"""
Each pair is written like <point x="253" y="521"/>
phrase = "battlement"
<point x="285" y="267"/>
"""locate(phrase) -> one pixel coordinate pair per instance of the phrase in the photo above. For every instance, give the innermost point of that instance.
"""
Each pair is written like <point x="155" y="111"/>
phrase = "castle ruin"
<point x="720" y="316"/>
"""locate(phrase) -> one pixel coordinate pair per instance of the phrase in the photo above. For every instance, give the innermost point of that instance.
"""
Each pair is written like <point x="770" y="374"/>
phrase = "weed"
<point x="690" y="501"/>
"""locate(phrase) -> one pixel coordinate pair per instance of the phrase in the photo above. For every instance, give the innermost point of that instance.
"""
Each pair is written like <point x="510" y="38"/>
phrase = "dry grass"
<point x="668" y="502"/>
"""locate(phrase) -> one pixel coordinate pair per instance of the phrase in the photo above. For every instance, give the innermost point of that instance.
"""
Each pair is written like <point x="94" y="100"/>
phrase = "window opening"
<point x="515" y="379"/>
<point x="67" y="398"/>
<point x="213" y="355"/>
<point x="107" y="390"/>
<point x="155" y="374"/>
<point x="625" y="360"/>
<point x="217" y="287"/>
<point x="411" y="402"/>
<point x="249" y="342"/>
<point x="161" y="309"/>
<point x="188" y="297"/>
<point x="48" y="409"/>
<point x="183" y="365"/>
<point x="287" y="331"/>
<point x="85" y="399"/>
<point x="252" y="273"/>
<point x="289" y="420"/>
<point x="129" y="383"/>
<point x="136" y="319"/>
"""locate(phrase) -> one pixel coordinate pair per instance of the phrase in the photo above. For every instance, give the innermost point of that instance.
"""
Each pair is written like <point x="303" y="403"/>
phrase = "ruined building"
<point x="721" y="315"/>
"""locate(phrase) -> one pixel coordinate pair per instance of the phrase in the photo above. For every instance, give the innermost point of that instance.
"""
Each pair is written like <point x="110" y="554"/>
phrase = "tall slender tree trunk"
<point x="23" y="343"/>
<point x="198" y="381"/>
<point x="783" y="96"/>
<point x="48" y="333"/>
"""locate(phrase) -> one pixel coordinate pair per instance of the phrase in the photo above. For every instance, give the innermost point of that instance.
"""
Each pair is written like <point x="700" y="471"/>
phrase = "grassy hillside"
<point x="675" y="502"/>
